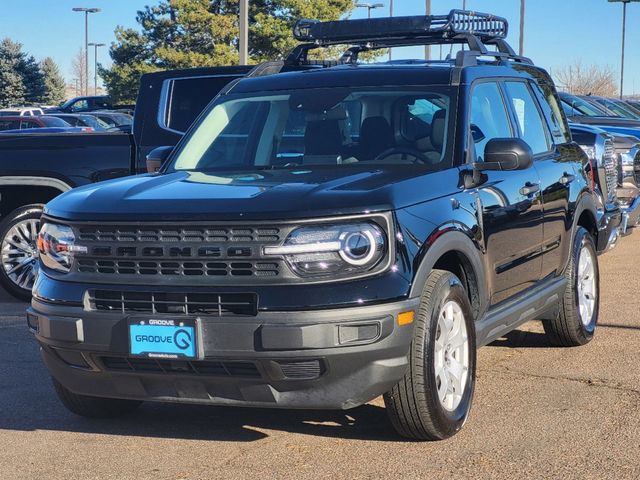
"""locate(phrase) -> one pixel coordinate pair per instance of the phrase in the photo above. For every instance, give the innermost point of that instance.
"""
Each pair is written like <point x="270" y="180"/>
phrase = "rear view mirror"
<point x="157" y="157"/>
<point x="506" y="154"/>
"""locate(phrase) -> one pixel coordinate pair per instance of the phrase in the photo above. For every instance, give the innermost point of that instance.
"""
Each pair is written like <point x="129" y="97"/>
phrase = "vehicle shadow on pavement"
<point x="522" y="339"/>
<point x="230" y="424"/>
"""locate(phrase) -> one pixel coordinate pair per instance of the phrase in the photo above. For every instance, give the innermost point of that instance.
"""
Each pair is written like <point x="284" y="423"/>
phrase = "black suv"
<point x="328" y="234"/>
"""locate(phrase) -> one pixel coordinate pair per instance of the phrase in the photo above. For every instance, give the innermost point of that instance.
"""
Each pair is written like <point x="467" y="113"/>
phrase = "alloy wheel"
<point x="20" y="253"/>
<point x="587" y="290"/>
<point x="451" y="360"/>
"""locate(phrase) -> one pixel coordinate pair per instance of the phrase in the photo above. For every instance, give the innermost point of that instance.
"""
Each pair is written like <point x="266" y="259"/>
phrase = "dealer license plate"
<point x="163" y="338"/>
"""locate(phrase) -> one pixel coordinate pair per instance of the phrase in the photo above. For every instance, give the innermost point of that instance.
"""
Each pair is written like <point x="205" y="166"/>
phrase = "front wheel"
<point x="433" y="399"/>
<point x="18" y="238"/>
<point x="577" y="318"/>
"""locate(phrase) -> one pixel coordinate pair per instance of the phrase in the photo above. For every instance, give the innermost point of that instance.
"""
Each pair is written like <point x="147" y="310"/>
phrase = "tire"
<point x="93" y="407"/>
<point x="18" y="237"/>
<point x="414" y="405"/>
<point x="576" y="323"/>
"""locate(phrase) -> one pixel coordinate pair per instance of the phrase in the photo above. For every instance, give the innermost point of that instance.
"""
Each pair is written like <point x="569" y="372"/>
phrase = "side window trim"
<point x="551" y="147"/>
<point x="166" y="91"/>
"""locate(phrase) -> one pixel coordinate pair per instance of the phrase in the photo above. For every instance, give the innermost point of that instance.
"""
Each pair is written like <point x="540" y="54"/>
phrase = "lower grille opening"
<point x="176" y="303"/>
<point x="303" y="370"/>
<point x="195" y="367"/>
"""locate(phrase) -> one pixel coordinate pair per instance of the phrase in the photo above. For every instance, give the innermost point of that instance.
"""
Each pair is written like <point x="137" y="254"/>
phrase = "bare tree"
<point x="584" y="80"/>
<point x="78" y="69"/>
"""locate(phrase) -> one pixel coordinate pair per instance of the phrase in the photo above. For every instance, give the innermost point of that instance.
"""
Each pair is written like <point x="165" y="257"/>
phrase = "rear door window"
<point x="551" y="109"/>
<point x="28" y="124"/>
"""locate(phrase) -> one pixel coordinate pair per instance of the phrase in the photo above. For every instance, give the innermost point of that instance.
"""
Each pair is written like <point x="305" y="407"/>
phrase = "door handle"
<point x="567" y="178"/>
<point x="529" y="189"/>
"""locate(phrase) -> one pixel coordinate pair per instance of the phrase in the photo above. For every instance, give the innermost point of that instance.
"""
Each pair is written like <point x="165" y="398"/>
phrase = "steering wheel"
<point x="417" y="154"/>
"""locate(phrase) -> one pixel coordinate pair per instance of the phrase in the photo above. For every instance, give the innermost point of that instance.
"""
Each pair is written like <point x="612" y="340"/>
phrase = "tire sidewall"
<point x="17" y="215"/>
<point x="450" y="288"/>
<point x="582" y="240"/>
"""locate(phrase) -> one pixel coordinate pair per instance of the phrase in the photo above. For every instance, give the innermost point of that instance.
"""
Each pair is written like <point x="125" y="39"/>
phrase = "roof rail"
<point x="474" y="29"/>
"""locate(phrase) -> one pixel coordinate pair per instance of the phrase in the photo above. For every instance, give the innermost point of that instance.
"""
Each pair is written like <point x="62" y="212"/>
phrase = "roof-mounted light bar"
<point x="482" y="25"/>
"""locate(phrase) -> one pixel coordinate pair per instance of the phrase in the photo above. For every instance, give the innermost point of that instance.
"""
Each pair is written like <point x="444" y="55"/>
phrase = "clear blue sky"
<point x="556" y="31"/>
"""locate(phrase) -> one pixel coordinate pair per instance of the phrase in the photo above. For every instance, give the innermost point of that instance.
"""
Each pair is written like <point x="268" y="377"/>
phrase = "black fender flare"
<point x="453" y="241"/>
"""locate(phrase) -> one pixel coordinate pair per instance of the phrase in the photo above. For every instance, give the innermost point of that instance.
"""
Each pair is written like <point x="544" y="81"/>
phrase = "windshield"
<point x="327" y="126"/>
<point x="50" y="121"/>
<point x="618" y="108"/>
<point x="577" y="106"/>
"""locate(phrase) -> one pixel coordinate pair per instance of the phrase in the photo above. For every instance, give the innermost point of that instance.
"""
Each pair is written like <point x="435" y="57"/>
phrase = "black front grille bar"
<point x="182" y="303"/>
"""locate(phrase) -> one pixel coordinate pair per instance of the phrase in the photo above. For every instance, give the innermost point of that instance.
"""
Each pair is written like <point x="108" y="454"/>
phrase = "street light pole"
<point x="391" y="15"/>
<point x="95" y="65"/>
<point x="369" y="7"/>
<point x="244" y="32"/>
<point x="521" y="49"/>
<point x="427" y="48"/>
<point x="624" y="29"/>
<point x="86" y="11"/>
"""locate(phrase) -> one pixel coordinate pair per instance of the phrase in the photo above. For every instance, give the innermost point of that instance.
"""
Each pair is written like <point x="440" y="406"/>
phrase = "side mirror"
<point x="157" y="157"/>
<point x="506" y="154"/>
<point x="476" y="133"/>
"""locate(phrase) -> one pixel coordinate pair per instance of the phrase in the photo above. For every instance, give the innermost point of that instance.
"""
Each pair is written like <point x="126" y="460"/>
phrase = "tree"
<point x="12" y="92"/>
<point x="78" y="67"/>
<point x="20" y="76"/>
<point x="54" y="84"/>
<point x="196" y="33"/>
<point x="33" y="80"/>
<point x="592" y="79"/>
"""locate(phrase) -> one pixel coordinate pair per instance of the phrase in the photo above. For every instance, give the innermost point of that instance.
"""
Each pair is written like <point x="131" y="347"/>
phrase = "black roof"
<point x="416" y="73"/>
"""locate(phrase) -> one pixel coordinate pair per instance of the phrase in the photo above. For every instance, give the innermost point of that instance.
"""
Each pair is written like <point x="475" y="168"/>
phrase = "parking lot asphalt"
<point x="538" y="412"/>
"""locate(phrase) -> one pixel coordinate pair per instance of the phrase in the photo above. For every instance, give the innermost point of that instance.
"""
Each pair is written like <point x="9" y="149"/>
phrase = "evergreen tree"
<point x="196" y="33"/>
<point x="54" y="84"/>
<point x="32" y="78"/>
<point x="20" y="76"/>
<point x="12" y="92"/>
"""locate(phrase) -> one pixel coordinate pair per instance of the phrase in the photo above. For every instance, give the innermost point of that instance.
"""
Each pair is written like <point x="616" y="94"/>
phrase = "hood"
<point x="269" y="194"/>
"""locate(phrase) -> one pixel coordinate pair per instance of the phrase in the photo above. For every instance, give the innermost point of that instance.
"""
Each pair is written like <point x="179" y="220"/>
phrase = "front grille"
<point x="174" y="302"/>
<point x="203" y="368"/>
<point x="611" y="170"/>
<point x="188" y="255"/>
<point x="190" y="268"/>
<point x="189" y="234"/>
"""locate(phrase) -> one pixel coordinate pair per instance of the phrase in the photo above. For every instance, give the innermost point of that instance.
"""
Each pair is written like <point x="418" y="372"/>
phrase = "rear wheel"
<point x="576" y="321"/>
<point x="433" y="399"/>
<point x="18" y="238"/>
<point x="93" y="407"/>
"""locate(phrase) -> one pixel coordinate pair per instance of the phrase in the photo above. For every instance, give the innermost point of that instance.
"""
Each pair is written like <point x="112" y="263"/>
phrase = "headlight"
<point x="333" y="249"/>
<point x="56" y="244"/>
<point x="590" y="150"/>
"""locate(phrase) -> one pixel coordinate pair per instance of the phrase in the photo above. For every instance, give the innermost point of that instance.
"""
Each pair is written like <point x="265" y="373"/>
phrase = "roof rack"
<point x="474" y="29"/>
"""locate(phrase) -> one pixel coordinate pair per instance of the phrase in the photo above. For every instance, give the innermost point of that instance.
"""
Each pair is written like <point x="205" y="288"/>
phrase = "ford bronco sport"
<point x="328" y="232"/>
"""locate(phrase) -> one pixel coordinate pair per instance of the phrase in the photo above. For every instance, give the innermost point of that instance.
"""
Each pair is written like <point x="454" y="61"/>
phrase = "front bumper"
<point x="332" y="358"/>
<point x="630" y="215"/>
<point x="610" y="222"/>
